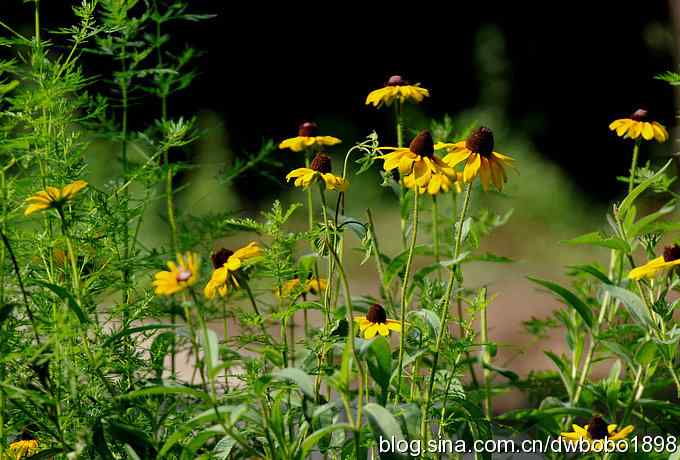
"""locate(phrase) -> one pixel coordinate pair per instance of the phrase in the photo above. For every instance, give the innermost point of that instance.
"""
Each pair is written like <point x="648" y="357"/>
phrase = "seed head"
<point x="220" y="257"/>
<point x="671" y="253"/>
<point x="640" y="115"/>
<point x="422" y="144"/>
<point x="321" y="163"/>
<point x="480" y="141"/>
<point x="308" y="129"/>
<point x="597" y="428"/>
<point x="396" y="80"/>
<point x="376" y="314"/>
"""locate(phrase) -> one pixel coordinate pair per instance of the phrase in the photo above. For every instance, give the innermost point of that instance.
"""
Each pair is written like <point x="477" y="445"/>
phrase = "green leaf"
<point x="223" y="448"/>
<point x="47" y="454"/>
<point x="570" y="298"/>
<point x="212" y="351"/>
<point x="562" y="368"/>
<point x="632" y="196"/>
<point x="68" y="297"/>
<point x="641" y="225"/>
<point x="430" y="318"/>
<point x="165" y="390"/>
<point x="633" y="304"/>
<point x="396" y="265"/>
<point x="591" y="270"/>
<point x="132" y="436"/>
<point x="133" y="330"/>
<point x="597" y="239"/>
<point x="646" y="353"/>
<point x="379" y="362"/>
<point x="311" y="440"/>
<point x="303" y="380"/>
<point x="384" y="425"/>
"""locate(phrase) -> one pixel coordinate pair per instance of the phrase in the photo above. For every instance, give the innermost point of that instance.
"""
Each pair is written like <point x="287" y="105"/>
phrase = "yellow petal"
<point x="647" y="131"/>
<point x="472" y="167"/>
<point x="370" y="331"/>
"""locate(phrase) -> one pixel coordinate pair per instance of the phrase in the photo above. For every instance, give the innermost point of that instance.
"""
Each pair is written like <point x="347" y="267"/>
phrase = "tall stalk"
<point x="404" y="293"/>
<point x="445" y="312"/>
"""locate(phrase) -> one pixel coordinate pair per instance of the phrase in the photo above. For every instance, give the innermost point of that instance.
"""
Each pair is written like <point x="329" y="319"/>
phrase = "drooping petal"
<point x="472" y="167"/>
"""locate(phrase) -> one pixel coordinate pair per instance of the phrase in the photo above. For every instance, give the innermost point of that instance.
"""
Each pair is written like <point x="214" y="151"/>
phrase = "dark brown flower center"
<point x="597" y="428"/>
<point x="480" y="141"/>
<point x="220" y="257"/>
<point x="321" y="163"/>
<point x="307" y="129"/>
<point x="396" y="80"/>
<point x="376" y="314"/>
<point x="639" y="115"/>
<point x="671" y="253"/>
<point x="422" y="144"/>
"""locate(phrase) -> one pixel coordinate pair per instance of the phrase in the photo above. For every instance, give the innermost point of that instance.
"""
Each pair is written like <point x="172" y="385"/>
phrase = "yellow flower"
<point x="669" y="259"/>
<point x="320" y="170"/>
<point x="481" y="161"/>
<point x="307" y="139"/>
<point x="376" y="322"/>
<point x="638" y="126"/>
<point x="22" y="449"/>
<point x="181" y="275"/>
<point x="417" y="164"/>
<point x="596" y="431"/>
<point x="396" y="88"/>
<point x="226" y="264"/>
<point x="53" y="197"/>
<point x="294" y="286"/>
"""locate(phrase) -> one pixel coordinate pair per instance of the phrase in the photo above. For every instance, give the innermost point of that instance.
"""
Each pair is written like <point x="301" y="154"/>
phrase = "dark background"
<point x="573" y="68"/>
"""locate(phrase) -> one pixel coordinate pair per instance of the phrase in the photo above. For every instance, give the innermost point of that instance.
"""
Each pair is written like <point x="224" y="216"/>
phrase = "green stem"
<point x="404" y="289"/>
<point x="633" y="166"/>
<point x="350" y="340"/>
<point x="29" y="312"/>
<point x="378" y="261"/>
<point x="435" y="231"/>
<point x="486" y="359"/>
<point x="445" y="312"/>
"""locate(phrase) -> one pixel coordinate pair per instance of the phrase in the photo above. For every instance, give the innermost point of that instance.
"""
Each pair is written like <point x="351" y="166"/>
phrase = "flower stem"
<point x="445" y="312"/>
<point x="435" y="231"/>
<point x="485" y="357"/>
<point x="378" y="261"/>
<point x="633" y="166"/>
<point x="404" y="290"/>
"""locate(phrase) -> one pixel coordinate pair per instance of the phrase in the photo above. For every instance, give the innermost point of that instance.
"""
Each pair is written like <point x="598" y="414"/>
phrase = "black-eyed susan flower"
<point x="639" y="126"/>
<point x="399" y="89"/>
<point x="53" y="197"/>
<point x="596" y="431"/>
<point x="669" y="259"/>
<point x="227" y="264"/>
<point x="320" y="169"/>
<point x="480" y="159"/>
<point x="307" y="139"/>
<point x="179" y="276"/>
<point x="418" y="165"/>
<point x="22" y="448"/>
<point x="376" y="322"/>
<point x="297" y="287"/>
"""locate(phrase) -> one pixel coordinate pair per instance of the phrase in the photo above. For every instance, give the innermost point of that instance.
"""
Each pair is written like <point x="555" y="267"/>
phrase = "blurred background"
<point x="548" y="78"/>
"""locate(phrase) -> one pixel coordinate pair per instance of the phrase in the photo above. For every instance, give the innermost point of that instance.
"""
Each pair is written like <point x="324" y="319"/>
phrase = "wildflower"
<point x="477" y="149"/>
<point x="669" y="259"/>
<point x="376" y="322"/>
<point x="396" y="88"/>
<point x="638" y="125"/>
<point x="319" y="169"/>
<point x="418" y="165"/>
<point x="295" y="286"/>
<point x="226" y="264"/>
<point x="22" y="448"/>
<point x="307" y="139"/>
<point x="53" y="197"/>
<point x="596" y="431"/>
<point x="181" y="275"/>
